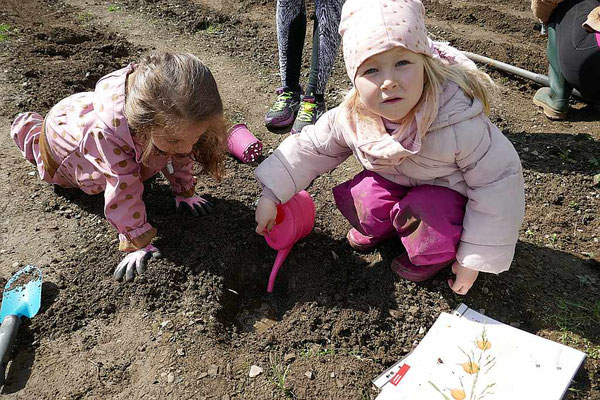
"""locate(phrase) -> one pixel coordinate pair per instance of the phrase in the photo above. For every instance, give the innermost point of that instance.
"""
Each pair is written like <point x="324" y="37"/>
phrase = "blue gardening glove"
<point x="135" y="261"/>
<point x="194" y="205"/>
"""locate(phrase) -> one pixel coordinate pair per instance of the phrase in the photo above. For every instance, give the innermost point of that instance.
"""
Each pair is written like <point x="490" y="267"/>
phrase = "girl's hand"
<point x="135" y="261"/>
<point x="266" y="212"/>
<point x="465" y="277"/>
<point x="194" y="205"/>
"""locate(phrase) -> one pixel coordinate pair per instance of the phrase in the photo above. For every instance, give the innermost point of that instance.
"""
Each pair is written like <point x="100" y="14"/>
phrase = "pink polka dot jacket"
<point x="84" y="142"/>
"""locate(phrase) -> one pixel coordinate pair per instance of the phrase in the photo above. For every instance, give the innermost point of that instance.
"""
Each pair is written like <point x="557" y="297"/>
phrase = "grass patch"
<point x="573" y="320"/>
<point x="316" y="351"/>
<point x="85" y="17"/>
<point x="4" y="29"/>
<point x="113" y="8"/>
<point x="279" y="374"/>
<point x="215" y="29"/>
<point x="572" y="315"/>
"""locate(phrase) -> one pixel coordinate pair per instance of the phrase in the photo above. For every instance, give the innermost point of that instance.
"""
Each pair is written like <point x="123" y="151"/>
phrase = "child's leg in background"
<point x="367" y="201"/>
<point x="25" y="131"/>
<point x="326" y="42"/>
<point x="429" y="222"/>
<point x="291" y="31"/>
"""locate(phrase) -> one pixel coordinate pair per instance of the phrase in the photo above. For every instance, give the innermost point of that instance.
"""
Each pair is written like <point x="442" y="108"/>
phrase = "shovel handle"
<point x="8" y="334"/>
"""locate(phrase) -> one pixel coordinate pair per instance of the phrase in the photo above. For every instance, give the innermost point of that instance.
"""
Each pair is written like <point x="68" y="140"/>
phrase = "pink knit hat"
<point x="370" y="27"/>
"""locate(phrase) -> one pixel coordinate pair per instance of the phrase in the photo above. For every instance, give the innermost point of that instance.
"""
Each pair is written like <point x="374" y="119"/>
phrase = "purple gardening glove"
<point x="135" y="261"/>
<point x="194" y="205"/>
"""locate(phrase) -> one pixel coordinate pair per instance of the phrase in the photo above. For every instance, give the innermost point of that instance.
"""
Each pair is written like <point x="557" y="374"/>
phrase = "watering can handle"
<point x="8" y="334"/>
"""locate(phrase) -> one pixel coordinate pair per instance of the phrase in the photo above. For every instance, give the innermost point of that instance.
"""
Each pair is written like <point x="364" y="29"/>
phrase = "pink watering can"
<point x="295" y="219"/>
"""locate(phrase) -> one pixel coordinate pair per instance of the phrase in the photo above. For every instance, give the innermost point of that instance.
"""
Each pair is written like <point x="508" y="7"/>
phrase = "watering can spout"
<point x="281" y="256"/>
<point x="295" y="219"/>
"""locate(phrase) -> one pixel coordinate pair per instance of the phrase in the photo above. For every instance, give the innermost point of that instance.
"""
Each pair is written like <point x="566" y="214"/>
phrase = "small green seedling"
<point x="4" y="29"/>
<point x="316" y="351"/>
<point x="85" y="17"/>
<point x="553" y="238"/>
<point x="279" y="375"/>
<point x="214" y="29"/>
<point x="113" y="8"/>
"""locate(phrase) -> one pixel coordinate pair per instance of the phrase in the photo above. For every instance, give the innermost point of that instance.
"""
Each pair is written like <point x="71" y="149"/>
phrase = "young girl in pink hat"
<point x="162" y="114"/>
<point x="437" y="173"/>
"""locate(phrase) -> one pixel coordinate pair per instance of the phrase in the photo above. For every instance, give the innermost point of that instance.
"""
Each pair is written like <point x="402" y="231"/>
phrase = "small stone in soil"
<point x="213" y="370"/>
<point x="165" y="323"/>
<point x="255" y="370"/>
<point x="309" y="375"/>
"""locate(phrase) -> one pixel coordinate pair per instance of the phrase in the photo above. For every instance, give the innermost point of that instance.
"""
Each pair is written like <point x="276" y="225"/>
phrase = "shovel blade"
<point x="23" y="293"/>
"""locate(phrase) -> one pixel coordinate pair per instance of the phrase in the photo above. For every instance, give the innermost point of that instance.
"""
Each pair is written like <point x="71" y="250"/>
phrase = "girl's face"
<point x="181" y="141"/>
<point x="391" y="83"/>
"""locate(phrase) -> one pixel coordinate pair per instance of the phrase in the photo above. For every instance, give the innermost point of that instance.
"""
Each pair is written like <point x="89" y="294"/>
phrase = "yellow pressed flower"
<point x="458" y="394"/>
<point x="471" y="367"/>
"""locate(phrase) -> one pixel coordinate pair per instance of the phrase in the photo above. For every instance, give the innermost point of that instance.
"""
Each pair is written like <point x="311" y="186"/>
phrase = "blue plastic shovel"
<point x="22" y="298"/>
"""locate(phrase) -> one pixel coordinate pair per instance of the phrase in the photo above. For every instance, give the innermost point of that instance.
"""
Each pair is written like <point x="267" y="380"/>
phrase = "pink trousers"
<point x="428" y="219"/>
<point x="25" y="131"/>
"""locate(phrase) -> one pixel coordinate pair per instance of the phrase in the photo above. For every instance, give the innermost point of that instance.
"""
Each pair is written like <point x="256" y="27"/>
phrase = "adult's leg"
<point x="554" y="99"/>
<point x="291" y="31"/>
<point x="578" y="49"/>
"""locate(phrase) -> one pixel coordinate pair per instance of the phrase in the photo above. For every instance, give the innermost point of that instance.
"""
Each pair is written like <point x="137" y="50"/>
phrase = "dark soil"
<point x="192" y="326"/>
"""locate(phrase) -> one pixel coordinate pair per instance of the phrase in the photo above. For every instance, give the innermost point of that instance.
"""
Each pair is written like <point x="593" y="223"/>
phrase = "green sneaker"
<point x="283" y="111"/>
<point x="310" y="111"/>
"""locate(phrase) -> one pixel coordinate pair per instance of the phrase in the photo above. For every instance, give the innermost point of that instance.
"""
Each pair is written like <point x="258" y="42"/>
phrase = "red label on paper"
<point x="400" y="374"/>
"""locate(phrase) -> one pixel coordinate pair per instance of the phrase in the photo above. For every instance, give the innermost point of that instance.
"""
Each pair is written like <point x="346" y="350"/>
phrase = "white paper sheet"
<point x="510" y="363"/>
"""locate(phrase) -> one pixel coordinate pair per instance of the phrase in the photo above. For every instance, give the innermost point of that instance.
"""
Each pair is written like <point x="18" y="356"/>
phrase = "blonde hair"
<point x="475" y="84"/>
<point x="169" y="89"/>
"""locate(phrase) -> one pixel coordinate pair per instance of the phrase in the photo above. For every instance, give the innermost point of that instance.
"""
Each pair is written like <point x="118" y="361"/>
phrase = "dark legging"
<point x="291" y="30"/>
<point x="578" y="49"/>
